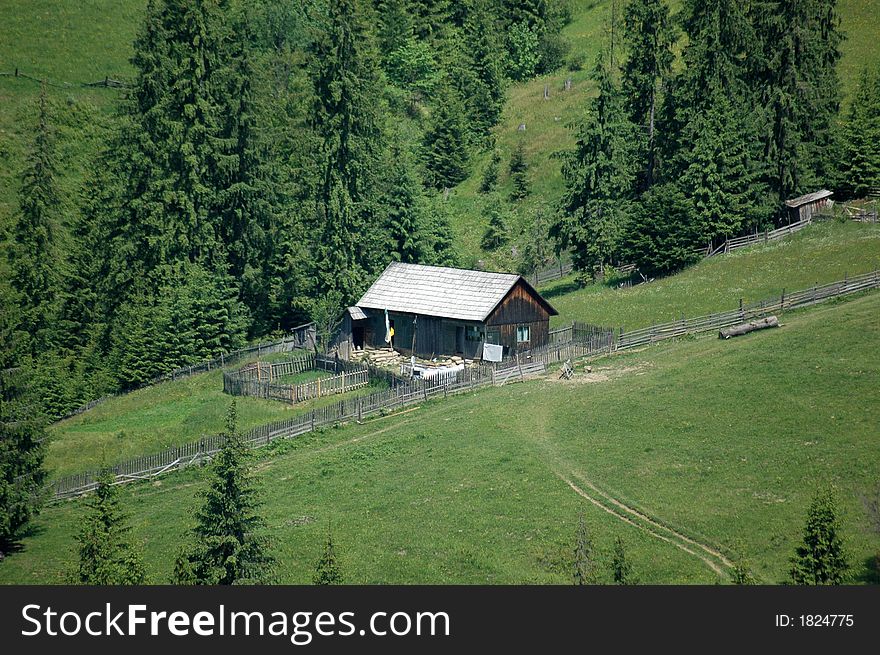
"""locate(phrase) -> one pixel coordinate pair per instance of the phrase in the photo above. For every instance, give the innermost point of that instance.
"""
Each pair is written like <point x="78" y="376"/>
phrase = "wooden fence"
<point x="301" y="337"/>
<point x="261" y="379"/>
<point x="715" y="322"/>
<point x="560" y="270"/>
<point x="177" y="457"/>
<point x="405" y="393"/>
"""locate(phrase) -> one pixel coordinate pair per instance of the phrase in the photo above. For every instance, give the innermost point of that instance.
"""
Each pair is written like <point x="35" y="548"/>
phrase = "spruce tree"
<point x="105" y="557"/>
<point x="497" y="233"/>
<point x="821" y="558"/>
<point x="519" y="169"/>
<point x="664" y="232"/>
<point x="797" y="70"/>
<point x="327" y="572"/>
<point x="228" y="545"/>
<point x="649" y="37"/>
<point x="621" y="567"/>
<point x="446" y="140"/>
<point x="584" y="558"/>
<point x="405" y="208"/>
<point x="860" y="163"/>
<point x="33" y="256"/>
<point x="600" y="175"/>
<point x="483" y="84"/>
<point x="489" y="181"/>
<point x="441" y="250"/>
<point x="346" y="117"/>
<point x="22" y="445"/>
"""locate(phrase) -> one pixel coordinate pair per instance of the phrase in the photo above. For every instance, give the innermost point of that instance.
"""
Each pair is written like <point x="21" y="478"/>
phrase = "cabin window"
<point x="473" y="333"/>
<point x="523" y="334"/>
<point x="494" y="337"/>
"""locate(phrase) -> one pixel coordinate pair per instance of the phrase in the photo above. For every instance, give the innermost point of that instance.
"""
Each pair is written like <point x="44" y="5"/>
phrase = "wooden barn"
<point x="449" y="311"/>
<point x="803" y="208"/>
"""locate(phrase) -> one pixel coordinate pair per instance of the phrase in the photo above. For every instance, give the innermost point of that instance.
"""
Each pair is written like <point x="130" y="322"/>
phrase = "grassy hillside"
<point x="704" y="438"/>
<point x="825" y="252"/>
<point x="152" y="419"/>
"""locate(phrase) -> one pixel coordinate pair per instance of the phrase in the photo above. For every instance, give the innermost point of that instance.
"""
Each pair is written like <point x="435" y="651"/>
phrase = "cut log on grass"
<point x="751" y="326"/>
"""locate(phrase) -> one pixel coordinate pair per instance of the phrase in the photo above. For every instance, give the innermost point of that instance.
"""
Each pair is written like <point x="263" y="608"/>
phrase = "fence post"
<point x="741" y="317"/>
<point x="313" y="420"/>
<point x="782" y="299"/>
<point x="360" y="409"/>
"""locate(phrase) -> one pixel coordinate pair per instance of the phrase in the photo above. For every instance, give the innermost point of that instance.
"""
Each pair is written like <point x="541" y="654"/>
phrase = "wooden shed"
<point x="449" y="311"/>
<point x="803" y="208"/>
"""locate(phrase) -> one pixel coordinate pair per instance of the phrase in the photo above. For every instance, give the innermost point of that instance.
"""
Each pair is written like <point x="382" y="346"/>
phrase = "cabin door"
<point x="459" y="339"/>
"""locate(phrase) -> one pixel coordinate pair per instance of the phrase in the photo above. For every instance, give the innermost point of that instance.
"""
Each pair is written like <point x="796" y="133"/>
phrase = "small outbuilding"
<point x="803" y="208"/>
<point x="436" y="310"/>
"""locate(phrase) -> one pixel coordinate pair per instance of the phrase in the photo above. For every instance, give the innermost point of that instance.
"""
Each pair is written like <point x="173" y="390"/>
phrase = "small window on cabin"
<point x="523" y="334"/>
<point x="472" y="333"/>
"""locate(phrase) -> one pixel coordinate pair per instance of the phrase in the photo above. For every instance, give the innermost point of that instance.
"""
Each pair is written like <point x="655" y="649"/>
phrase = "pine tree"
<point x="105" y="557"/>
<point x="405" y="207"/>
<point x="228" y="547"/>
<point x="497" y="232"/>
<point x="22" y="449"/>
<point x="664" y="232"/>
<point x="489" y="182"/>
<point x="649" y="37"/>
<point x="621" y="568"/>
<point x="482" y="84"/>
<point x="584" y="562"/>
<point x="799" y="48"/>
<point x="519" y="169"/>
<point x="860" y="164"/>
<point x="346" y="117"/>
<point x="33" y="255"/>
<point x="721" y="172"/>
<point x="327" y="572"/>
<point x="600" y="176"/>
<point x="821" y="558"/>
<point x="446" y="140"/>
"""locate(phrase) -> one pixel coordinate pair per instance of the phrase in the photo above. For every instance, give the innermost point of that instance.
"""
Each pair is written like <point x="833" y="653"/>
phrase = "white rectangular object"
<point x="492" y="352"/>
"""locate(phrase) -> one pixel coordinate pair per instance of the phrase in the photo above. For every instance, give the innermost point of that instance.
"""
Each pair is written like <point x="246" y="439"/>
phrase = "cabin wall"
<point x="520" y="308"/>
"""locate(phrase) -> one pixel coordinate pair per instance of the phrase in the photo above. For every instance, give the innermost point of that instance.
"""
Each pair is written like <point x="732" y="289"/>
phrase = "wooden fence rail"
<point x="302" y="337"/>
<point x="403" y="393"/>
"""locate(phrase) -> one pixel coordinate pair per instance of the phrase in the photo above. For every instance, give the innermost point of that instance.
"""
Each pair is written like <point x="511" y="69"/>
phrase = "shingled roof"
<point x="810" y="197"/>
<point x="441" y="291"/>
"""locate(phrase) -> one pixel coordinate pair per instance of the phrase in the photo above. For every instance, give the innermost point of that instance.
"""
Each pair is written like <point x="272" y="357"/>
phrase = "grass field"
<point x="722" y="442"/>
<point x="151" y="419"/>
<point x="824" y="252"/>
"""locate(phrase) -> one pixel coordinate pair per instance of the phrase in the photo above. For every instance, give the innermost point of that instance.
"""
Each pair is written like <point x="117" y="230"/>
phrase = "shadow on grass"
<point x="869" y="573"/>
<point x="16" y="546"/>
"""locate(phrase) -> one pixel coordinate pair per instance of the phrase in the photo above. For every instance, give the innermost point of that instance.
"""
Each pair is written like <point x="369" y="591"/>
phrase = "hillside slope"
<point x="718" y="442"/>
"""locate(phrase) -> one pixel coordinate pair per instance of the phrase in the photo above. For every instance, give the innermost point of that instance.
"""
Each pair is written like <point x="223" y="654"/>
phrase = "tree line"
<point x="680" y="151"/>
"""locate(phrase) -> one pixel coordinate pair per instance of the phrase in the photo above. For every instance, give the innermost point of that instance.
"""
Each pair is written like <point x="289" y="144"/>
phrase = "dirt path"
<point x="581" y="485"/>
<point x="655" y="530"/>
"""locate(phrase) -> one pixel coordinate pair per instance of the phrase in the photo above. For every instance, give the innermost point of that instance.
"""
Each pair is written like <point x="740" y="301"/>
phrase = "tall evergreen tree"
<point x="105" y="556"/>
<point x="347" y="119"/>
<point x="22" y="449"/>
<point x="860" y="161"/>
<point x="405" y="207"/>
<point x="621" y="567"/>
<point x="800" y="48"/>
<point x="519" y="169"/>
<point x="649" y="37"/>
<point x="446" y="140"/>
<point x="498" y="231"/>
<point x="228" y="545"/>
<point x="821" y="559"/>
<point x="482" y="82"/>
<point x="600" y="178"/>
<point x="33" y="256"/>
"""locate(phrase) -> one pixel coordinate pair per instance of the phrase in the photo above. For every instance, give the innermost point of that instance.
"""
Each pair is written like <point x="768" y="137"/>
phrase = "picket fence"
<point x="260" y="379"/>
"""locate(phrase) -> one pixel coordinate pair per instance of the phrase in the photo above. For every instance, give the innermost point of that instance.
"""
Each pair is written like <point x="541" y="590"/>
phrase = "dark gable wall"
<point x="520" y="307"/>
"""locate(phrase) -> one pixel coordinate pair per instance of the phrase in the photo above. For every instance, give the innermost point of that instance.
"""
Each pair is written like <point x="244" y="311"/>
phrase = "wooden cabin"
<point x="438" y="310"/>
<point x="803" y="208"/>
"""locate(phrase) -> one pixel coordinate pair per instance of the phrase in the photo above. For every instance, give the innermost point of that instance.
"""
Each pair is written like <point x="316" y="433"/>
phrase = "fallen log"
<point x="751" y="326"/>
